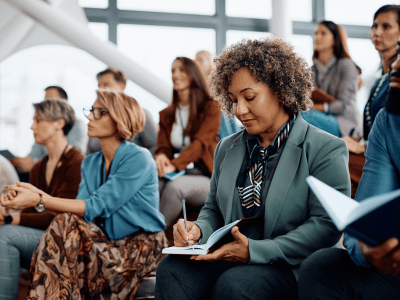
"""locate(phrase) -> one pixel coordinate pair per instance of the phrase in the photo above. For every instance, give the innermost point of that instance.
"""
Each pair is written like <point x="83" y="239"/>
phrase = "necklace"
<point x="55" y="168"/>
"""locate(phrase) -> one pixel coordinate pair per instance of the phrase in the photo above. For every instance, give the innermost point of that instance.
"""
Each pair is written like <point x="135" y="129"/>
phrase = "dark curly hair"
<point x="271" y="61"/>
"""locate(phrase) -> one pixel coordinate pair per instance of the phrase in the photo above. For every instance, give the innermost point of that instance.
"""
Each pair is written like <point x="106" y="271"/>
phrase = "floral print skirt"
<point x="75" y="260"/>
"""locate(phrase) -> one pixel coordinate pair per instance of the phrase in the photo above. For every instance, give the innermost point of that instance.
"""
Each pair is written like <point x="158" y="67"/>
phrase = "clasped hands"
<point x="236" y="251"/>
<point x="20" y="196"/>
<point x="385" y="257"/>
<point x="164" y="165"/>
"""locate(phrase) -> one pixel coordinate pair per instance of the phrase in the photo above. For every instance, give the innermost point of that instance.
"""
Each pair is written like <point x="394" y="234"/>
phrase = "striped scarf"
<point x="250" y="186"/>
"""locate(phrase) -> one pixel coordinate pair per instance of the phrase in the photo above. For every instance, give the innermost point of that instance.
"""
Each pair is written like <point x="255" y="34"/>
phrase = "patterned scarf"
<point x="250" y="186"/>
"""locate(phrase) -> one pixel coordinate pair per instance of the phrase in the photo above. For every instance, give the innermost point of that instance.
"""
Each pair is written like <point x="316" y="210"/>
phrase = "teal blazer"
<point x="295" y="223"/>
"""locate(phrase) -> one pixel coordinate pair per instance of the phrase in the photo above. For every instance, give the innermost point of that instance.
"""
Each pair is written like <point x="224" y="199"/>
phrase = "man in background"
<point x="114" y="79"/>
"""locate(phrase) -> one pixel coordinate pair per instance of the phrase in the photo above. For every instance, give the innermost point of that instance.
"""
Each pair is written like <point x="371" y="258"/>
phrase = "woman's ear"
<point x="122" y="86"/>
<point x="60" y="123"/>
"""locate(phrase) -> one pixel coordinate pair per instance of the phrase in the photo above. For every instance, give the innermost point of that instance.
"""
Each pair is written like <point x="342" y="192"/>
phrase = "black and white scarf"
<point x="250" y="185"/>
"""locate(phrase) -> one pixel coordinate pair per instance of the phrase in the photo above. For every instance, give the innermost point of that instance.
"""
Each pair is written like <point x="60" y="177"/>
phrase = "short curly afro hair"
<point x="271" y="61"/>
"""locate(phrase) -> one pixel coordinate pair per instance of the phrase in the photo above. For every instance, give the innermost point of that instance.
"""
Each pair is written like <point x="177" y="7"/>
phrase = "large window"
<point x="354" y="12"/>
<point x="198" y="7"/>
<point x="94" y="3"/>
<point x="155" y="48"/>
<point x="24" y="76"/>
<point x="299" y="10"/>
<point x="153" y="33"/>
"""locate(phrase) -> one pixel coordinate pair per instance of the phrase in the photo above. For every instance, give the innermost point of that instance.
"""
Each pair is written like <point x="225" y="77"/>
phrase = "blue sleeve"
<point x="83" y="191"/>
<point x="351" y="244"/>
<point x="128" y="178"/>
<point x="379" y="177"/>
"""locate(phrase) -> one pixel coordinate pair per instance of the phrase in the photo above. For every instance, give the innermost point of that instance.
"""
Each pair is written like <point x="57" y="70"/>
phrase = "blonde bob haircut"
<point x="125" y="111"/>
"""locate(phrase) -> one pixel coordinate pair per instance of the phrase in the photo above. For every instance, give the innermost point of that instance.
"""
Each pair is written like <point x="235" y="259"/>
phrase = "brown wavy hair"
<point x="198" y="95"/>
<point x="339" y="36"/>
<point x="271" y="61"/>
<point x="125" y="111"/>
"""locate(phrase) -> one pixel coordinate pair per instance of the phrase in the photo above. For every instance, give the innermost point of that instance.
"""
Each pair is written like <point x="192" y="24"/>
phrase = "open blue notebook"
<point x="373" y="220"/>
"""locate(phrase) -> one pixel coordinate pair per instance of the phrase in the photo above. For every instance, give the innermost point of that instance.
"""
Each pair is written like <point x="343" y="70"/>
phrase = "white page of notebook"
<point x="338" y="206"/>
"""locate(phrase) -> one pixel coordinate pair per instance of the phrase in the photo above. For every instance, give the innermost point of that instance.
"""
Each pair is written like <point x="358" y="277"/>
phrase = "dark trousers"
<point x="331" y="274"/>
<point x="178" y="277"/>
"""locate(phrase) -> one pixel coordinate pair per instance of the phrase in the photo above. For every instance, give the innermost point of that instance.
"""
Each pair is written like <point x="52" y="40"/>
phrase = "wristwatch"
<point x="8" y="219"/>
<point x="40" y="207"/>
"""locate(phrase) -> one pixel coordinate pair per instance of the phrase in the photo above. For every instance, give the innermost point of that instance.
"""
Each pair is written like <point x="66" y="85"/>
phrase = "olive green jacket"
<point x="295" y="223"/>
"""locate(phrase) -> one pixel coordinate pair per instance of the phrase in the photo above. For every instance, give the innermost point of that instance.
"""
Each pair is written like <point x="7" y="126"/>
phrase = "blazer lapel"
<point x="227" y="179"/>
<point x="284" y="174"/>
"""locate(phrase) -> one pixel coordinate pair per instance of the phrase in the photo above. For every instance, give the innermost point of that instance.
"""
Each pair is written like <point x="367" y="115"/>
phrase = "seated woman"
<point x="111" y="238"/>
<point x="260" y="172"/>
<point x="363" y="271"/>
<point x="188" y="135"/>
<point x="384" y="33"/>
<point x="336" y="74"/>
<point x="57" y="174"/>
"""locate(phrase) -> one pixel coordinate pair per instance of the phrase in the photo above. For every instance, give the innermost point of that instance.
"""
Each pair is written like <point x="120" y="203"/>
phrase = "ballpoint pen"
<point x="184" y="217"/>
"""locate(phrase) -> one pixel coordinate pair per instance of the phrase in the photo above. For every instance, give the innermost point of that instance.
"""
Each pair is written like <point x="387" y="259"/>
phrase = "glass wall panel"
<point x="198" y="7"/>
<point x="25" y="75"/>
<point x="260" y="9"/>
<point x="353" y="12"/>
<point x="300" y="10"/>
<point x="303" y="45"/>
<point x="99" y="29"/>
<point x="155" y="48"/>
<point x="94" y="3"/>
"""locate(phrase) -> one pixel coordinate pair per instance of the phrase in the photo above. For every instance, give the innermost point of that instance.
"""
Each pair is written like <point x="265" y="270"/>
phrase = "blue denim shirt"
<point x="381" y="169"/>
<point x="128" y="200"/>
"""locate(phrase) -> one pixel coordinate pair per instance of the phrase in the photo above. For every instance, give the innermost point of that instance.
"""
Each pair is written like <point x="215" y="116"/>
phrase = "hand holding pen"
<point x="181" y="235"/>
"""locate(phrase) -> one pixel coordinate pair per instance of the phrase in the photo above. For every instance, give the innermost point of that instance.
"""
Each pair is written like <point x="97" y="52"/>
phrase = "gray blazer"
<point x="295" y="223"/>
<point x="341" y="83"/>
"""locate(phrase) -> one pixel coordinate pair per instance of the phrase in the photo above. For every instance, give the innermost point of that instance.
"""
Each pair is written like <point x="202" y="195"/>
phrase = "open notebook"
<point x="373" y="220"/>
<point x="219" y="237"/>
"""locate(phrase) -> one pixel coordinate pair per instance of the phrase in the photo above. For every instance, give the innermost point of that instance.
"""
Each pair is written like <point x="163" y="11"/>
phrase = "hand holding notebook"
<point x="373" y="220"/>
<point x="219" y="238"/>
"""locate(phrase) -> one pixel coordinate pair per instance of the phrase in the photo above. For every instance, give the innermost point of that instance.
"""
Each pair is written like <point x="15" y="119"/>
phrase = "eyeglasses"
<point x="97" y="112"/>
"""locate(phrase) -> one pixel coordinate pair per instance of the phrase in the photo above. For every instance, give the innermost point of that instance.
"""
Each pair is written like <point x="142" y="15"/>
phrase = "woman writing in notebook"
<point x="189" y="130"/>
<point x="110" y="238"/>
<point x="335" y="74"/>
<point x="260" y="172"/>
